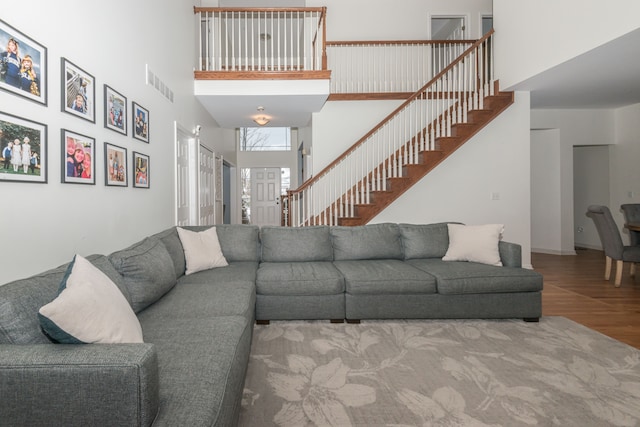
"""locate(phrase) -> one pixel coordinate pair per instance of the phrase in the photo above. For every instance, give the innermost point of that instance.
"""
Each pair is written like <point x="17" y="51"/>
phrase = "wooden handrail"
<point x="418" y="93"/>
<point x="394" y="42"/>
<point x="259" y="9"/>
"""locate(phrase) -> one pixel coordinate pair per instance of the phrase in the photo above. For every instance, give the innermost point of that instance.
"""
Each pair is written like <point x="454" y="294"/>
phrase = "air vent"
<point x="159" y="85"/>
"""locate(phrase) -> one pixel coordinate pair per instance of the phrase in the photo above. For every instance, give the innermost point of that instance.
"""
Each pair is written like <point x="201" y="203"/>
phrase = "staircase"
<point x="420" y="134"/>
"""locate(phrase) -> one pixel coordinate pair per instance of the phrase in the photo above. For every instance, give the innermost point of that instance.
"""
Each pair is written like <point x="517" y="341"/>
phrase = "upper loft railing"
<point x="388" y="67"/>
<point x="261" y="39"/>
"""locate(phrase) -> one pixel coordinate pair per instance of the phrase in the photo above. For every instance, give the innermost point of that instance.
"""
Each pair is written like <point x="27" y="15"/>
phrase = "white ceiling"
<point x="605" y="77"/>
<point x="286" y="103"/>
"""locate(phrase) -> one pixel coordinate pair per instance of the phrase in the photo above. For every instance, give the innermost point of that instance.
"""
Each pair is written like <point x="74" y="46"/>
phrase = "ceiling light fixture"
<point x="261" y="120"/>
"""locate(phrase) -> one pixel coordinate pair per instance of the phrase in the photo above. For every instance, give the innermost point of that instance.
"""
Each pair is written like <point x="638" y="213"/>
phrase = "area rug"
<point x="440" y="373"/>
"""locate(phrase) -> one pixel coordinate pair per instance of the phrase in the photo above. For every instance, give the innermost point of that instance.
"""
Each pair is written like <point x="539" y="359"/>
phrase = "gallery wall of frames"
<point x="24" y="72"/>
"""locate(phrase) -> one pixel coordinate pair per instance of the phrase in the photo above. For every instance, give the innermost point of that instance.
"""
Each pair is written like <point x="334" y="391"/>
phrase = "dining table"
<point x="633" y="226"/>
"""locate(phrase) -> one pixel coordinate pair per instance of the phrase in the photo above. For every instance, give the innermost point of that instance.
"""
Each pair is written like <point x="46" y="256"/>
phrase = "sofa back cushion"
<point x="171" y="242"/>
<point x="20" y="301"/>
<point x="239" y="242"/>
<point x="424" y="240"/>
<point x="293" y="244"/>
<point x="147" y="269"/>
<point x="372" y="241"/>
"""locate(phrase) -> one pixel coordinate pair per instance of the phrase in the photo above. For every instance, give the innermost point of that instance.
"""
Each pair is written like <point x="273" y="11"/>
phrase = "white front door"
<point x="265" y="196"/>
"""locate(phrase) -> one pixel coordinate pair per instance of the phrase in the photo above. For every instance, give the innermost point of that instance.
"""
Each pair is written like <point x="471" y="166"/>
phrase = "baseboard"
<point x="553" y="251"/>
<point x="587" y="246"/>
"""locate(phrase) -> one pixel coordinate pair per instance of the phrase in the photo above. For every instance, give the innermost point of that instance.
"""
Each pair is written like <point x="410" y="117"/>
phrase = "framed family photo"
<point x="140" y="170"/>
<point x="78" y="158"/>
<point x="23" y="145"/>
<point x="23" y="64"/>
<point x="115" y="110"/>
<point x="78" y="91"/>
<point x="140" y="121"/>
<point x="115" y="165"/>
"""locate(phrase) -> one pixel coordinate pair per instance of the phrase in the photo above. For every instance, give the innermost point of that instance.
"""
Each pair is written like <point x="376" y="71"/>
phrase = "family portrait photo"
<point x="24" y="149"/>
<point x="115" y="110"/>
<point x="115" y="159"/>
<point x="78" y="158"/>
<point x="23" y="64"/>
<point x="140" y="170"/>
<point x="78" y="91"/>
<point x="140" y="122"/>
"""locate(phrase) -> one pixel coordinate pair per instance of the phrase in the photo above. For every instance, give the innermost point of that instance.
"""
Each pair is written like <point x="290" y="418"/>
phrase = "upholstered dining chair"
<point x="612" y="244"/>
<point x="631" y="212"/>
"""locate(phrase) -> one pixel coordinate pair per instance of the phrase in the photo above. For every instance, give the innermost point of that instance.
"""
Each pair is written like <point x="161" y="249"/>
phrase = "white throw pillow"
<point x="89" y="308"/>
<point x="201" y="250"/>
<point x="478" y="243"/>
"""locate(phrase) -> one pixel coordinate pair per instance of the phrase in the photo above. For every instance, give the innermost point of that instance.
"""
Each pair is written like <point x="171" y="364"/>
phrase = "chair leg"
<point x="632" y="272"/>
<point x="607" y="268"/>
<point x="619" y="265"/>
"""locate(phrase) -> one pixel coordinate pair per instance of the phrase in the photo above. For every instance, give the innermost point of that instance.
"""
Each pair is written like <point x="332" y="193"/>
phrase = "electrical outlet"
<point x="495" y="196"/>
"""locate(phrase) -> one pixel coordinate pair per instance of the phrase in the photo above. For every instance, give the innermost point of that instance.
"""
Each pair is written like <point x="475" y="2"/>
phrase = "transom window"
<point x="265" y="139"/>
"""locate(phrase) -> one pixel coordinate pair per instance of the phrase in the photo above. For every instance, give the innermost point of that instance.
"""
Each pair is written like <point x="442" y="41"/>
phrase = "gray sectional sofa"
<point x="197" y="328"/>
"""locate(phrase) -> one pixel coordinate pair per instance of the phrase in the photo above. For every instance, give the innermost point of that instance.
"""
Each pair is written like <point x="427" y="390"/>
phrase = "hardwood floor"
<point x="574" y="287"/>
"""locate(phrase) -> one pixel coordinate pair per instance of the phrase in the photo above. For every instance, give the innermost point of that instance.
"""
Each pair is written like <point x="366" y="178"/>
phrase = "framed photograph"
<point x="140" y="121"/>
<point x="115" y="165"/>
<point x="78" y="91"/>
<point x="78" y="158"/>
<point x="23" y="64"/>
<point x="115" y="110"/>
<point x="23" y="146"/>
<point x="140" y="170"/>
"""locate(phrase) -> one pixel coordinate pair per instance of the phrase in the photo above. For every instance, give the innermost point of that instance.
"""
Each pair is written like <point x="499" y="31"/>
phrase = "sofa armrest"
<point x="510" y="254"/>
<point x="72" y="385"/>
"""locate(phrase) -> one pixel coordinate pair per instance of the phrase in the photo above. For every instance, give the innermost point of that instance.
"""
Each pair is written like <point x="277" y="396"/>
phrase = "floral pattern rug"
<point x="440" y="373"/>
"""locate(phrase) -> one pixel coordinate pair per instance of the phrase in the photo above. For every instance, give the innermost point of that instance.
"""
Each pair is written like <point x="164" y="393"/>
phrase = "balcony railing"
<point x="369" y="67"/>
<point x="261" y="40"/>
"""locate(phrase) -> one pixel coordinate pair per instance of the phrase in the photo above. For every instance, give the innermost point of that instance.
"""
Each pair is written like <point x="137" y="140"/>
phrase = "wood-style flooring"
<point x="574" y="287"/>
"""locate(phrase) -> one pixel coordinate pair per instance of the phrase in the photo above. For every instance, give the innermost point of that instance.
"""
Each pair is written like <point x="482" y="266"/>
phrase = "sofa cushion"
<point x="388" y="276"/>
<point x="89" y="308"/>
<point x="373" y="241"/>
<point x="147" y="271"/>
<point x="461" y="277"/>
<point x="298" y="278"/>
<point x="235" y="272"/>
<point x="201" y="301"/>
<point x="201" y="250"/>
<point x="424" y="240"/>
<point x="239" y="242"/>
<point x="171" y="242"/>
<point x="291" y="244"/>
<point x="478" y="243"/>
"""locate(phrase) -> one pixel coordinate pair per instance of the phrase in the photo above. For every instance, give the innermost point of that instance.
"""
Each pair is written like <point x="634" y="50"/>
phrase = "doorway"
<point x="265" y="196"/>
<point x="446" y="28"/>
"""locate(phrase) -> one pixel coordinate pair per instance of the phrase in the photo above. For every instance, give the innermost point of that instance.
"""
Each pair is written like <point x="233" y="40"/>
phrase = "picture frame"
<point x="115" y="165"/>
<point x="140" y="170"/>
<point x="115" y="110"/>
<point x="78" y="91"/>
<point x="33" y="85"/>
<point x="140" y="122"/>
<point x="32" y="168"/>
<point x="78" y="158"/>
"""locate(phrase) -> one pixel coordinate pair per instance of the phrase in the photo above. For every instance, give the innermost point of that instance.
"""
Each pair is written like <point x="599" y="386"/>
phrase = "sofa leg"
<point x="531" y="319"/>
<point x="262" y="322"/>
<point x="354" y="321"/>
<point x="337" y="320"/>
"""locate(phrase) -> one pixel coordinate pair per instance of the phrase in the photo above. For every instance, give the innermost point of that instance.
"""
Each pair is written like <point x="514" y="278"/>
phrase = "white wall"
<point x="591" y="185"/>
<point x="112" y="41"/>
<point x="395" y="20"/>
<point x="535" y="35"/>
<point x="546" y="194"/>
<point x="619" y="131"/>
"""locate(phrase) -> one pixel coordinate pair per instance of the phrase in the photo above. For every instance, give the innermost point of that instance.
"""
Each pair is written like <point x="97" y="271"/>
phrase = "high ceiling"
<point x="605" y="77"/>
